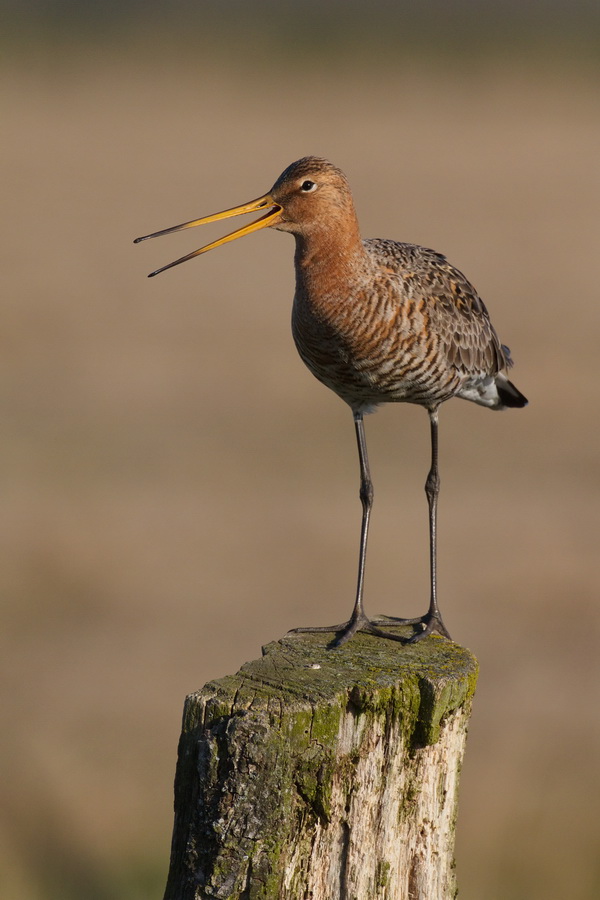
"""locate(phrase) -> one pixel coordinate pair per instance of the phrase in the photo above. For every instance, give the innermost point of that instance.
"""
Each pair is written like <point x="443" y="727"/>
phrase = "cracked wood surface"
<point x="324" y="774"/>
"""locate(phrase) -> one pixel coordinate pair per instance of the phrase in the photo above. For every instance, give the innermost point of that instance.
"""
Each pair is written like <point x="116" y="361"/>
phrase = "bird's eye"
<point x="308" y="186"/>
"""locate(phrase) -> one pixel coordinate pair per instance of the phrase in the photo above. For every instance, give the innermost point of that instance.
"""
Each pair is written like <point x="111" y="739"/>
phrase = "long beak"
<point x="265" y="202"/>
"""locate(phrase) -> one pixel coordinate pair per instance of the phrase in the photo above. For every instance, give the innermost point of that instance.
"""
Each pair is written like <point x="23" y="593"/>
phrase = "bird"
<point x="376" y="321"/>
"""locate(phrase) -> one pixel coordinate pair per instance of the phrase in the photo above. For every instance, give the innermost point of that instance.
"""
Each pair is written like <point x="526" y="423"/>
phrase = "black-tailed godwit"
<point x="377" y="321"/>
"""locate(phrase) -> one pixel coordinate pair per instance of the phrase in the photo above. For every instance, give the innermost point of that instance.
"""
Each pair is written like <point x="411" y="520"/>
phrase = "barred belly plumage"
<point x="369" y="366"/>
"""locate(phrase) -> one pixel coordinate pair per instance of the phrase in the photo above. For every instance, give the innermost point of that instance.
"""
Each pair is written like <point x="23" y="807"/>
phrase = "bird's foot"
<point x="429" y="623"/>
<point x="346" y="630"/>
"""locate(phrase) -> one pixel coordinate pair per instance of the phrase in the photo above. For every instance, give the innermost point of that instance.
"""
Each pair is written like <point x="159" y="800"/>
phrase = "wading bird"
<point x="377" y="321"/>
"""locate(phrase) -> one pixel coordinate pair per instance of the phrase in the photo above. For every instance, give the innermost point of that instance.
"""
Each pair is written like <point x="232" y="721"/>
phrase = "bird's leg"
<point x="432" y="620"/>
<point x="358" y="621"/>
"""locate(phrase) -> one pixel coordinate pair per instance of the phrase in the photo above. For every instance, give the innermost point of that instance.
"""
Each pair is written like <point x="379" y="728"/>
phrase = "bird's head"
<point x="311" y="194"/>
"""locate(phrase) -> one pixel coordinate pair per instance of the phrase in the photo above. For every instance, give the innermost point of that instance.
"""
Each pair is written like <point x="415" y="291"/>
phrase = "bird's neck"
<point x="330" y="256"/>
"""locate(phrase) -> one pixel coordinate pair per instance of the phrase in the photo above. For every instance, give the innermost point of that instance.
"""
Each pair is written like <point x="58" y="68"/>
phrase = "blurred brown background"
<point x="178" y="489"/>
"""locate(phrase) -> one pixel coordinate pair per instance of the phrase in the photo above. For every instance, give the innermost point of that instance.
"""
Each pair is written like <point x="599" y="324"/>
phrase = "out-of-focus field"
<point x="178" y="489"/>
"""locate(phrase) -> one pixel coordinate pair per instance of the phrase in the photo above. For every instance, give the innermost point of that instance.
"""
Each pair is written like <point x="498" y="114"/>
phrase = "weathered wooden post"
<point x="324" y="774"/>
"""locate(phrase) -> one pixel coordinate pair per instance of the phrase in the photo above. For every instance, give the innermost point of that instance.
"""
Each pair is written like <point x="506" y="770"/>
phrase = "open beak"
<point x="262" y="203"/>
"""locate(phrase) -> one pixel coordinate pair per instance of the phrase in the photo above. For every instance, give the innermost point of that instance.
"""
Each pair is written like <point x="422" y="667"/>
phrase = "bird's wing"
<point x="457" y="314"/>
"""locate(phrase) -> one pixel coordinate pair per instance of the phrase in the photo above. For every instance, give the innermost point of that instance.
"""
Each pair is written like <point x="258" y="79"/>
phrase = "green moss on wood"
<point x="382" y="873"/>
<point x="261" y="748"/>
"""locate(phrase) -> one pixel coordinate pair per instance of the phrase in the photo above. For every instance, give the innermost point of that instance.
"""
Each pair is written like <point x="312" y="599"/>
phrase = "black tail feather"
<point x="509" y="395"/>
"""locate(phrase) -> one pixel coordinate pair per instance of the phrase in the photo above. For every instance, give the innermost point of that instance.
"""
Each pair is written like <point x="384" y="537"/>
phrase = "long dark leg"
<point x="358" y="621"/>
<point x="366" y="498"/>
<point x="432" y="620"/>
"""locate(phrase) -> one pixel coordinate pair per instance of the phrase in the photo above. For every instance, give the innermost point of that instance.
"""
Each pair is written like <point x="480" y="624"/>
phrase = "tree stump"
<point x="324" y="774"/>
